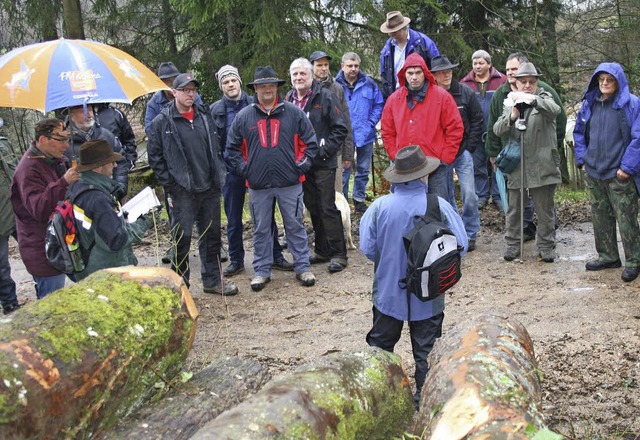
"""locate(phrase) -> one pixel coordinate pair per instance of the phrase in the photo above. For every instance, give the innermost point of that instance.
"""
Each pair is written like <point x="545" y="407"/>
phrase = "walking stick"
<point x="521" y="125"/>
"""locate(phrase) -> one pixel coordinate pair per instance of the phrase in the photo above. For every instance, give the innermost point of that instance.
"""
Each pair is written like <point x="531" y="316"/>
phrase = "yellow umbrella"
<point x="66" y="73"/>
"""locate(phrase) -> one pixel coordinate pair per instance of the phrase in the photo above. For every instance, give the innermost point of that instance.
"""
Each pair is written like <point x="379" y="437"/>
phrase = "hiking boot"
<point x="258" y="283"/>
<point x="337" y="266"/>
<point x="596" y="265"/>
<point x="630" y="273"/>
<point x="316" y="259"/>
<point x="224" y="255"/>
<point x="10" y="308"/>
<point x="472" y="245"/>
<point x="511" y="253"/>
<point x="228" y="289"/>
<point x="282" y="264"/>
<point x="233" y="269"/>
<point x="547" y="255"/>
<point x="482" y="203"/>
<point x="168" y="256"/>
<point x="307" y="279"/>
<point x="360" y="207"/>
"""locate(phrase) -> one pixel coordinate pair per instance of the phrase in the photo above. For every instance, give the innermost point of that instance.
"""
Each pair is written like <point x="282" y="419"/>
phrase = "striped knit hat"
<point x="225" y="71"/>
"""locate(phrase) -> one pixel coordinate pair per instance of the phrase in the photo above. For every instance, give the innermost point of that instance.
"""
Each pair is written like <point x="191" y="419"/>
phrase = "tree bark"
<point x="187" y="407"/>
<point x="80" y="359"/>
<point x="483" y="383"/>
<point x="73" y="24"/>
<point x="346" y="396"/>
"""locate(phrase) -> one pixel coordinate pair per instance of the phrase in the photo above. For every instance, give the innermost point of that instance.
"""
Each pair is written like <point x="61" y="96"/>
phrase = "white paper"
<point x="142" y="203"/>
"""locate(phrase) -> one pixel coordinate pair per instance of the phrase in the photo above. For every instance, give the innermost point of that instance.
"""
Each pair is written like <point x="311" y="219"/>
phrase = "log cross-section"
<point x="80" y="359"/>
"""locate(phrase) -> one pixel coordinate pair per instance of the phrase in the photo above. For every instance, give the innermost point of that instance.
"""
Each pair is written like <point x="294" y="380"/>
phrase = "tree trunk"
<point x="73" y="25"/>
<point x="483" y="383"/>
<point x="187" y="407"/>
<point x="80" y="359"/>
<point x="346" y="396"/>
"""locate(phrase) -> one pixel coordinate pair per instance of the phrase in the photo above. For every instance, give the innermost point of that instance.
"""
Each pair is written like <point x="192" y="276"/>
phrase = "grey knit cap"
<point x="225" y="71"/>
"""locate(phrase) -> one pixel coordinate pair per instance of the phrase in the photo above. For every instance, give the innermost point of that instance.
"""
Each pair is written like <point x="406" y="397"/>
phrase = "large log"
<point x="360" y="395"/>
<point x="86" y="355"/>
<point x="187" y="407"/>
<point x="482" y="384"/>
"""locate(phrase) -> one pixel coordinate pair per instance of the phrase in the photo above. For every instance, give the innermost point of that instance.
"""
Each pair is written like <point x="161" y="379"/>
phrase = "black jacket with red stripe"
<point x="271" y="149"/>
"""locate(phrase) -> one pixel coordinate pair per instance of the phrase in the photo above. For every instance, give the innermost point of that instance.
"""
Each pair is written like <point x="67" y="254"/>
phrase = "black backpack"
<point x="434" y="260"/>
<point x="62" y="242"/>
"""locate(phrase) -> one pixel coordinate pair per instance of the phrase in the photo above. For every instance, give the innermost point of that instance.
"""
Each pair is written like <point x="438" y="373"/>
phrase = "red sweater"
<point x="434" y="124"/>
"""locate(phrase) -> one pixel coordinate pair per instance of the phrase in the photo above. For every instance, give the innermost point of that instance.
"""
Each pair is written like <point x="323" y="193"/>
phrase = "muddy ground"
<point x="585" y="325"/>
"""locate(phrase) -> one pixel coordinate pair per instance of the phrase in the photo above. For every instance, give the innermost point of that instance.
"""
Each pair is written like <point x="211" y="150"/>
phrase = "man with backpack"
<point x="382" y="229"/>
<point x="100" y="221"/>
<point x="40" y="181"/>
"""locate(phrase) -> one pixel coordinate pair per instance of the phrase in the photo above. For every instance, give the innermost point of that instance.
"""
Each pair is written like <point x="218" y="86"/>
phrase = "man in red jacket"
<point x="422" y="113"/>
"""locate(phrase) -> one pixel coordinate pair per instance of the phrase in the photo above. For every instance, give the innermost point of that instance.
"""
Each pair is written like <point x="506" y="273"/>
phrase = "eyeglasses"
<point x="188" y="91"/>
<point x="530" y="82"/>
<point x="606" y="79"/>
<point x="58" y="137"/>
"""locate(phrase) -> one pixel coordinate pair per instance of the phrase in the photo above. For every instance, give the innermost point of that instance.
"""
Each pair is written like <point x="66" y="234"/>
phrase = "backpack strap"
<point x="433" y="209"/>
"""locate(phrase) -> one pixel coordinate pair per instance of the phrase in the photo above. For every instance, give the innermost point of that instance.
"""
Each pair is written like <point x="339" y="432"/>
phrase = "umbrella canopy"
<point x="502" y="188"/>
<point x="65" y="73"/>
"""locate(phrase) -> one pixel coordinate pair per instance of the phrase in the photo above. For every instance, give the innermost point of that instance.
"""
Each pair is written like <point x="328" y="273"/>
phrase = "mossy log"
<point x="83" y="357"/>
<point x="483" y="383"/>
<point x="359" y="395"/>
<point x="188" y="406"/>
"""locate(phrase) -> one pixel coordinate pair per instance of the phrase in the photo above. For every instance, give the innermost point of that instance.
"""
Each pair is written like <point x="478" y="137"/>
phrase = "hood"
<point x="415" y="60"/>
<point x="621" y="97"/>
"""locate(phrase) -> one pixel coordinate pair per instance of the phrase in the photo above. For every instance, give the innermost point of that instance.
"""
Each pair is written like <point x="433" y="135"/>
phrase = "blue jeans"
<point x="470" y="215"/>
<point x="438" y="182"/>
<point x="203" y="209"/>
<point x="7" y="285"/>
<point x="262" y="205"/>
<point x="484" y="184"/>
<point x="361" y="179"/>
<point x="233" y="193"/>
<point x="46" y="285"/>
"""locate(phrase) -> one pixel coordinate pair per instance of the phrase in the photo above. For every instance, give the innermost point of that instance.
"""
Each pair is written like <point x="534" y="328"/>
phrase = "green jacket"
<point x="493" y="143"/>
<point x="8" y="162"/>
<point x="541" y="157"/>
<point x="101" y="220"/>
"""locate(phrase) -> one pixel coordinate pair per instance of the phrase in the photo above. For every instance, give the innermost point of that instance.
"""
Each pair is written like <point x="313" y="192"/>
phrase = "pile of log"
<point x="358" y="395"/>
<point x="483" y="383"/>
<point x="82" y="358"/>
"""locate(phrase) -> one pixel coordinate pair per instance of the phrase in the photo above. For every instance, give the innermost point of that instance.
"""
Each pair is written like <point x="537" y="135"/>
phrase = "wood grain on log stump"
<point x="86" y="355"/>
<point x="483" y="383"/>
<point x="360" y="395"/>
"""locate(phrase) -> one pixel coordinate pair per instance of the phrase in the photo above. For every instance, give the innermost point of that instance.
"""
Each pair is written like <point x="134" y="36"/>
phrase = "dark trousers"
<point x="203" y="209"/>
<point x="438" y="182"/>
<point x="386" y="332"/>
<point x="233" y="194"/>
<point x="320" y="200"/>
<point x="7" y="285"/>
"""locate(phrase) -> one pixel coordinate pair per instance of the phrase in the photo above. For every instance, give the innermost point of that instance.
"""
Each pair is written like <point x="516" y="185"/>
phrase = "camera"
<point x="521" y="124"/>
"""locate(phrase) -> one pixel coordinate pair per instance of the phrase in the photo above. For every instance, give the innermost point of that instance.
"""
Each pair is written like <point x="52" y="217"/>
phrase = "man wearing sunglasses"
<point x="40" y="181"/>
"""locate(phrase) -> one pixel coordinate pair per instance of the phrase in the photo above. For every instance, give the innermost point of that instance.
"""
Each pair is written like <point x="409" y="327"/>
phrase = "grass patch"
<point x="565" y="193"/>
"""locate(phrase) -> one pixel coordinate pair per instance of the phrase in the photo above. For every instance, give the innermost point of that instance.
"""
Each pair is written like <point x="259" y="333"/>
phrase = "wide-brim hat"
<point x="395" y="22"/>
<point x="410" y="164"/>
<point x="526" y="69"/>
<point x="265" y="75"/>
<point x="94" y="154"/>
<point x="167" y="70"/>
<point x="440" y="63"/>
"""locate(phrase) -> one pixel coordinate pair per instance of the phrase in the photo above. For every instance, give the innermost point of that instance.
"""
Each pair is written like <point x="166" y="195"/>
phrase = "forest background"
<point x="565" y="39"/>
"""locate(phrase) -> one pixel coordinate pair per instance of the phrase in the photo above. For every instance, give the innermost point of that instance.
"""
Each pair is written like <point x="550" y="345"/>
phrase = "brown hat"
<point x="395" y="22"/>
<point x="410" y="164"/>
<point x="94" y="154"/>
